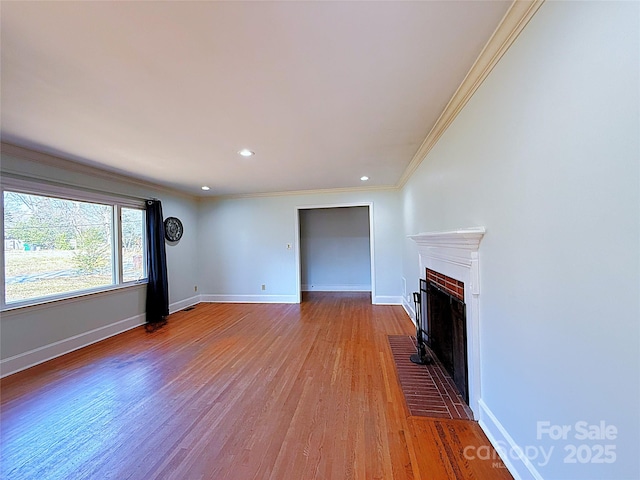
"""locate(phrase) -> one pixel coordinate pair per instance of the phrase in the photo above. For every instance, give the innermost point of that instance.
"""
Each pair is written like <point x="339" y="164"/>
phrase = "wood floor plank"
<point x="234" y="391"/>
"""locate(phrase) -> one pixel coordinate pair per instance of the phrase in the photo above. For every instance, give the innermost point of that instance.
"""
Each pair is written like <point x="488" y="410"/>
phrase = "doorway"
<point x="335" y="249"/>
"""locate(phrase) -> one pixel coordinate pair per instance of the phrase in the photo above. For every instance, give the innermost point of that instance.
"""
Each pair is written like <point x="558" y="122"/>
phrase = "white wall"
<point x="31" y="335"/>
<point x="335" y="249"/>
<point x="546" y="157"/>
<point x="243" y="244"/>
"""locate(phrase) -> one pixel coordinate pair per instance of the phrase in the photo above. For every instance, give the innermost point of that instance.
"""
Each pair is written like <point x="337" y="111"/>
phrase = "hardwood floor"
<point x="235" y="391"/>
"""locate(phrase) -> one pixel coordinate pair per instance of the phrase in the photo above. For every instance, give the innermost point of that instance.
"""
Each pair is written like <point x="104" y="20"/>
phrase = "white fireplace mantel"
<point x="467" y="238"/>
<point x="453" y="246"/>
<point x="455" y="254"/>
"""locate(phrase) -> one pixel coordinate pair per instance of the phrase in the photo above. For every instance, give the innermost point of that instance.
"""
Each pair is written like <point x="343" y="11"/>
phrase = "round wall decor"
<point x="173" y="229"/>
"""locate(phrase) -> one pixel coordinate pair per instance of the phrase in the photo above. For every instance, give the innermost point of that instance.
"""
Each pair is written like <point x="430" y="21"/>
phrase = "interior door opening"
<point x="335" y="249"/>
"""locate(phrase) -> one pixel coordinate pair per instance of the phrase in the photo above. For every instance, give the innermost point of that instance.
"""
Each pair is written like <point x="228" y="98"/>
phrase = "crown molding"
<point x="55" y="161"/>
<point x="323" y="191"/>
<point x="65" y="164"/>
<point x="514" y="21"/>
<point x="517" y="17"/>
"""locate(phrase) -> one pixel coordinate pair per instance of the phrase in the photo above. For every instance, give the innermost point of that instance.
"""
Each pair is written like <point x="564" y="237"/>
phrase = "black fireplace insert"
<point x="447" y="332"/>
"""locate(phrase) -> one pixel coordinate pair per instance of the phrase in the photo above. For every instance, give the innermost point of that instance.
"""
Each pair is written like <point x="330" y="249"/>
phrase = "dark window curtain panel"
<point x="157" y="288"/>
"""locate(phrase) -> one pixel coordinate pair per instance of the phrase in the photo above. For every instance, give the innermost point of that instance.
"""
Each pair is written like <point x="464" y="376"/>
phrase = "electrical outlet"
<point x="264" y="287"/>
<point x="195" y="288"/>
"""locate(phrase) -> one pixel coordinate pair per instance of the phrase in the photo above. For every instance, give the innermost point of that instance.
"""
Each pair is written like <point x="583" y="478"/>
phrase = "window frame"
<point x="65" y="192"/>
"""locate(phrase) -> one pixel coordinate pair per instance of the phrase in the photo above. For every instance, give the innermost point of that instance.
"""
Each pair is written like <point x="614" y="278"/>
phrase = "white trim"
<point x="372" y="252"/>
<point x="321" y="191"/>
<point x="336" y="288"/>
<point x="42" y="354"/>
<point x="216" y="298"/>
<point x="455" y="254"/>
<point x="386" y="300"/>
<point x="298" y="261"/>
<point x="371" y="243"/>
<point x="517" y="17"/>
<point x="410" y="311"/>
<point x="52" y="160"/>
<point x="116" y="228"/>
<point x="66" y="192"/>
<point x="74" y="194"/>
<point x="39" y="355"/>
<point x="466" y="239"/>
<point x="502" y="441"/>
<point x="82" y="295"/>
<point x="182" y="304"/>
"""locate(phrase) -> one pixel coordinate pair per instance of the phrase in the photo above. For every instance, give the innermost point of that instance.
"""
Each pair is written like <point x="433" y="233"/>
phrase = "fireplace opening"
<point x="446" y="327"/>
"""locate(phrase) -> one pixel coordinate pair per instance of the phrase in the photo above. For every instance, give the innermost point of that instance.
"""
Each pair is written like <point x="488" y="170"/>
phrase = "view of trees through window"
<point x="132" y="244"/>
<point x="54" y="246"/>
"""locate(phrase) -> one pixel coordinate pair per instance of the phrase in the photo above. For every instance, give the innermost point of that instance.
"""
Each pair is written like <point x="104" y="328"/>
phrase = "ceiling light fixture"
<point x="205" y="188"/>
<point x="364" y="178"/>
<point x="245" y="152"/>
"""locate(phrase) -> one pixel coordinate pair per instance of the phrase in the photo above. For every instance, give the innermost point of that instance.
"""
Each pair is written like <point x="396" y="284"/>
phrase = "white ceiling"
<point x="168" y="92"/>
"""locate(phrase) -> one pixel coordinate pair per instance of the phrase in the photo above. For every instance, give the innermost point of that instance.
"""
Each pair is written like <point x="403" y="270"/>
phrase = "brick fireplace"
<point x="450" y="285"/>
<point x="452" y="260"/>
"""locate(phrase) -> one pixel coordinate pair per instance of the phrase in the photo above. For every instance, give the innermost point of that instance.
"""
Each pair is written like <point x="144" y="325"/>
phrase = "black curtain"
<point x="157" y="289"/>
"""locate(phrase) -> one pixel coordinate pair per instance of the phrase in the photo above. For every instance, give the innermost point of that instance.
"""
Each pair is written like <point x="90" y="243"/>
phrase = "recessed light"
<point x="245" y="152"/>
<point x="205" y="188"/>
<point x="364" y="178"/>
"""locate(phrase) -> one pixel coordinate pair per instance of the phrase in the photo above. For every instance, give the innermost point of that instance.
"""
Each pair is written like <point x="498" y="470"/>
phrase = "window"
<point x="133" y="236"/>
<point x="58" y="246"/>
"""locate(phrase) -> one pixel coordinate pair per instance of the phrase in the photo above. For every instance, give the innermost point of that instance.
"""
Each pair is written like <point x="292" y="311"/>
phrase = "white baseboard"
<point x="336" y="288"/>
<point x="249" y="298"/>
<point x="522" y="468"/>
<point x="38" y="355"/>
<point x="216" y="298"/>
<point x="182" y="304"/>
<point x="387" y="300"/>
<point x="42" y="354"/>
<point x="410" y="311"/>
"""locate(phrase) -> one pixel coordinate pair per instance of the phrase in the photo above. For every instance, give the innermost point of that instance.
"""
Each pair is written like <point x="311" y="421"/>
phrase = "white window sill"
<point x="39" y="303"/>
